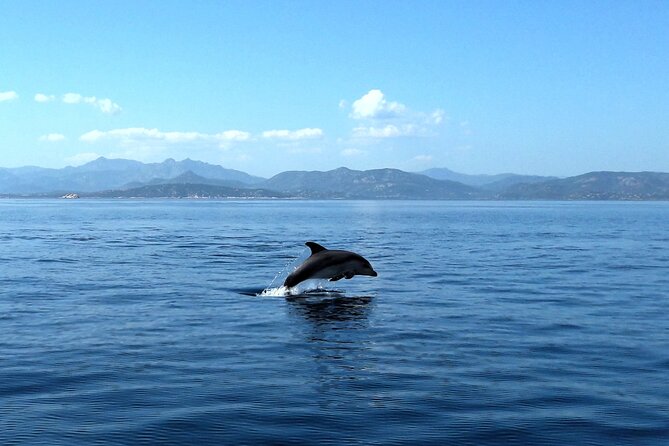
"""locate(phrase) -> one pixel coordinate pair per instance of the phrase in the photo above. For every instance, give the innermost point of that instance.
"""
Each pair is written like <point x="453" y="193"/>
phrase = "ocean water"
<point x="139" y="322"/>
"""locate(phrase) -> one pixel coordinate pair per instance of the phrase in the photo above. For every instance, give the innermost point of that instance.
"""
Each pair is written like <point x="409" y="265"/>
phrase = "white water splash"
<point x="276" y="290"/>
<point x="317" y="285"/>
<point x="281" y="291"/>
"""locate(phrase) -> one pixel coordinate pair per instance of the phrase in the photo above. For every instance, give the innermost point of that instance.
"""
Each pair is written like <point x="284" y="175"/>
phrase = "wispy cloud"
<point x="438" y="116"/>
<point x="140" y="134"/>
<point x="387" y="131"/>
<point x="380" y="118"/>
<point x="293" y="135"/>
<point x="352" y="152"/>
<point x="105" y="105"/>
<point x="233" y="135"/>
<point x="52" y="137"/>
<point x="41" y="97"/>
<point x="72" y="98"/>
<point x="151" y="144"/>
<point x="8" y="96"/>
<point x="423" y="158"/>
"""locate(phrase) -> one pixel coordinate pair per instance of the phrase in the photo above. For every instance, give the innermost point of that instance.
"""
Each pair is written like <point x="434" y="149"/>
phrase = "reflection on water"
<point x="328" y="307"/>
<point x="335" y="330"/>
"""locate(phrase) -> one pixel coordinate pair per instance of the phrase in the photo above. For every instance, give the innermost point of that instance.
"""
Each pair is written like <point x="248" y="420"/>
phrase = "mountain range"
<point x="104" y="174"/>
<point x="488" y="182"/>
<point x="119" y="178"/>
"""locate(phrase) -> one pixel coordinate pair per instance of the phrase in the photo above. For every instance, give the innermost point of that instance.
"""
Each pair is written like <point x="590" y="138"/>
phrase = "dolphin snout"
<point x="374" y="273"/>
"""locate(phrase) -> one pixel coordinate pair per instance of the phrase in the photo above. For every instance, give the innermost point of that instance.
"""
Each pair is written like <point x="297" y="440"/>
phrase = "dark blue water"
<point x="136" y="322"/>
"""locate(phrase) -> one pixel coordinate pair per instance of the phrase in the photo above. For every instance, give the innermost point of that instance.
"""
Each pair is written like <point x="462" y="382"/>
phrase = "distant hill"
<point x="103" y="164"/>
<point x="167" y="169"/>
<point x="595" y="186"/>
<point x="126" y="178"/>
<point x="187" y="178"/>
<point x="103" y="173"/>
<point x="185" y="190"/>
<point x="505" y="183"/>
<point x="368" y="184"/>
<point x="490" y="182"/>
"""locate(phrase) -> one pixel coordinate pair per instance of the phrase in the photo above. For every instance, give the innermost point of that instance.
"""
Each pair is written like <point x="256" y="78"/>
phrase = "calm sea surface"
<point x="138" y="322"/>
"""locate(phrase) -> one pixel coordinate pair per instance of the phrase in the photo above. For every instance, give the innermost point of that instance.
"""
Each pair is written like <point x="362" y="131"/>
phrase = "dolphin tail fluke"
<point x="315" y="247"/>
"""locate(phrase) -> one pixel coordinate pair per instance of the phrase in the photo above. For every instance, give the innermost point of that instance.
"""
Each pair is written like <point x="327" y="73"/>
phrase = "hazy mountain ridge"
<point x="187" y="177"/>
<point x="195" y="179"/>
<point x="369" y="184"/>
<point x="490" y="182"/>
<point x="104" y="174"/>
<point x="595" y="186"/>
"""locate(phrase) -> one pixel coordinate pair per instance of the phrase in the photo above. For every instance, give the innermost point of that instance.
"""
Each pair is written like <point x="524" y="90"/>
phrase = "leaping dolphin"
<point x="329" y="264"/>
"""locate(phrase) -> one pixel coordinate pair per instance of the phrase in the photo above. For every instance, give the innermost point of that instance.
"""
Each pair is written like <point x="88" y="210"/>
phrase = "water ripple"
<point x="140" y="322"/>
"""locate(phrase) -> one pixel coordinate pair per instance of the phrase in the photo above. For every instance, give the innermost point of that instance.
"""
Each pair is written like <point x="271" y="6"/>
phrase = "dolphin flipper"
<point x="337" y="277"/>
<point x="344" y="275"/>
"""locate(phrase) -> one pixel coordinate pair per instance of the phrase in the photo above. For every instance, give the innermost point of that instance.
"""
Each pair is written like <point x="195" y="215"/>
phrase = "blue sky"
<point x="548" y="87"/>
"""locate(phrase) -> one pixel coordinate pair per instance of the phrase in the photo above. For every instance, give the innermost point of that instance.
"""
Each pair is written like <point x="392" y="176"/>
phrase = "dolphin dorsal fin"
<point x="315" y="247"/>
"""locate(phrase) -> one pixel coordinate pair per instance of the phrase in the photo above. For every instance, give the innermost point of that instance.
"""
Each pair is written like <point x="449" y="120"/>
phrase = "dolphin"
<point x="329" y="264"/>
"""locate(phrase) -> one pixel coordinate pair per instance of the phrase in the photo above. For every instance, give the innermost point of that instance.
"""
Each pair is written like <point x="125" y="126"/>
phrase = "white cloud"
<point x="175" y="137"/>
<point x="41" y="97"/>
<point x="81" y="158"/>
<point x="388" y="131"/>
<point x="373" y="105"/>
<point x="140" y="134"/>
<point x="293" y="135"/>
<point x="233" y="135"/>
<point x="52" y="137"/>
<point x="72" y="98"/>
<point x="105" y="105"/>
<point x="8" y="96"/>
<point x="438" y="116"/>
<point x="92" y="136"/>
<point x="381" y="118"/>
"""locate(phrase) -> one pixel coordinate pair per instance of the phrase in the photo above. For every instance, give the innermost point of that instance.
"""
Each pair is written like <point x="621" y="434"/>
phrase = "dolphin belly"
<point x="302" y="274"/>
